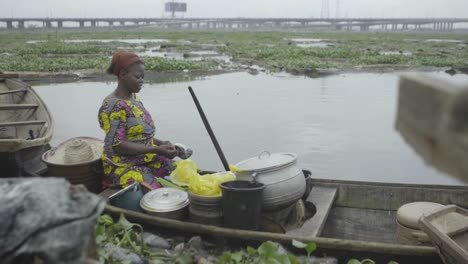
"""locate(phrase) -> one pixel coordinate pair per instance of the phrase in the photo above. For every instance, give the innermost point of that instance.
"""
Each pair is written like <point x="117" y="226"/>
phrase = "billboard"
<point x="175" y="7"/>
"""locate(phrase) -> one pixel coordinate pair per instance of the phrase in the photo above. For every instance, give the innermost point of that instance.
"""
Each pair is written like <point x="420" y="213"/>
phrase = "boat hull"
<point x="331" y="239"/>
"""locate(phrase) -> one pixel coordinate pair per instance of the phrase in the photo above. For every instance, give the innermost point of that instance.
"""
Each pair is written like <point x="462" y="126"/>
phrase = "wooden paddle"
<point x="210" y="131"/>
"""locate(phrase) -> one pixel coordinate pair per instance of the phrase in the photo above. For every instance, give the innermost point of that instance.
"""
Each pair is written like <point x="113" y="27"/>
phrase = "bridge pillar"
<point x="93" y="23"/>
<point x="82" y="24"/>
<point x="451" y="26"/>
<point x="21" y="24"/>
<point x="122" y="23"/>
<point x="9" y="24"/>
<point x="48" y="24"/>
<point x="111" y="23"/>
<point x="60" y="24"/>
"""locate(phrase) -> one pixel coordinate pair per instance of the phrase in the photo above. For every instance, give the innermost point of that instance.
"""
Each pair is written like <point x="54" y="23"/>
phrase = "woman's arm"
<point x="161" y="142"/>
<point x="130" y="148"/>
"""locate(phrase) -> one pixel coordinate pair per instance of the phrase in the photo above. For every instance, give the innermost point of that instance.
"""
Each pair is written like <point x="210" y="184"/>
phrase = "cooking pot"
<point x="285" y="182"/>
<point x="166" y="202"/>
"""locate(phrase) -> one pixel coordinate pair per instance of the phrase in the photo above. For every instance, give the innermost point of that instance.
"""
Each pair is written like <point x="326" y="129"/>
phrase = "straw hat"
<point x="76" y="150"/>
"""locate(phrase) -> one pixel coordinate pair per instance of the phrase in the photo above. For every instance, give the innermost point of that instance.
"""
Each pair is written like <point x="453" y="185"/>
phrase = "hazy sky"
<point x="235" y="8"/>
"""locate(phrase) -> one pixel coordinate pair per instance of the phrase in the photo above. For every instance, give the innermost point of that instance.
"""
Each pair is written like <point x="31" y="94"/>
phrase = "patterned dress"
<point x="128" y="120"/>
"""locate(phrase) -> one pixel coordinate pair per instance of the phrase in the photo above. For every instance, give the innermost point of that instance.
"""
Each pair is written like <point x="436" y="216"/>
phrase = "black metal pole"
<point x="210" y="131"/>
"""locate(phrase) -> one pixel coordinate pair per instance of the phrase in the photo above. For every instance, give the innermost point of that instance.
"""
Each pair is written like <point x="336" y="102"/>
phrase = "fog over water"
<point x="238" y="8"/>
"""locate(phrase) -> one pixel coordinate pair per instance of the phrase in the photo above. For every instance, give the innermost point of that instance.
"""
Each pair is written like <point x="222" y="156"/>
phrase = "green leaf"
<point x="251" y="250"/>
<point x="125" y="223"/>
<point x="267" y="248"/>
<point x="367" y="261"/>
<point x="275" y="261"/>
<point x="106" y="219"/>
<point x="393" y="262"/>
<point x="298" y="244"/>
<point x="237" y="257"/>
<point x="354" y="261"/>
<point x="279" y="259"/>
<point x="292" y="259"/>
<point x="100" y="230"/>
<point x="311" y="247"/>
<point x="225" y="258"/>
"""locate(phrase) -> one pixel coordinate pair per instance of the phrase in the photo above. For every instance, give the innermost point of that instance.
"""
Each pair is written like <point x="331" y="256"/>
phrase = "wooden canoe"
<point x="352" y="220"/>
<point x="448" y="230"/>
<point x="26" y="126"/>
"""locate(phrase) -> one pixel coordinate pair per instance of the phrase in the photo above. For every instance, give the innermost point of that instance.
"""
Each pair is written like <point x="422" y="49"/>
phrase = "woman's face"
<point x="133" y="77"/>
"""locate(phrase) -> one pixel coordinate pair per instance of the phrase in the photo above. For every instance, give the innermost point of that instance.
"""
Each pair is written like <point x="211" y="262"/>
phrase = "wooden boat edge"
<point x="322" y="242"/>
<point x="16" y="144"/>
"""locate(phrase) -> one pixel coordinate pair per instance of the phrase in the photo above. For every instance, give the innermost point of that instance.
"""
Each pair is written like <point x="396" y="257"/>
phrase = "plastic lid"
<point x="164" y="200"/>
<point x="265" y="160"/>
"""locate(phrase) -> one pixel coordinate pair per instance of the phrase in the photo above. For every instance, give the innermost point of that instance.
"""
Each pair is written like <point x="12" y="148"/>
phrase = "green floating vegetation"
<point x="273" y="49"/>
<point x="121" y="239"/>
<point x="118" y="240"/>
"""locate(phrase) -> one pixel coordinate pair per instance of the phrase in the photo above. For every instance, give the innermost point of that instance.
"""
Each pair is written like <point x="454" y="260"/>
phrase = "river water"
<point x="341" y="127"/>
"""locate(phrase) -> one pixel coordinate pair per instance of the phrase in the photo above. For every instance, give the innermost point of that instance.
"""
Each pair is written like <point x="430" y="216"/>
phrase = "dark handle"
<point x="210" y="131"/>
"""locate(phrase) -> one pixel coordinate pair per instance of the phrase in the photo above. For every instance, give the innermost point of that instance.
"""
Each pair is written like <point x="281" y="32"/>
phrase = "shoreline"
<point x="181" y="75"/>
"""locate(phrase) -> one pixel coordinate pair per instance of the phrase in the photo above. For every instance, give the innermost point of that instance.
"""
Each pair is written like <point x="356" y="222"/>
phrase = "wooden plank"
<point x="322" y="198"/>
<point x="7" y="132"/>
<point x="390" y="196"/>
<point x="361" y="224"/>
<point x="13" y="91"/>
<point x="23" y="123"/>
<point x="438" y="226"/>
<point x="246" y="235"/>
<point x="18" y="106"/>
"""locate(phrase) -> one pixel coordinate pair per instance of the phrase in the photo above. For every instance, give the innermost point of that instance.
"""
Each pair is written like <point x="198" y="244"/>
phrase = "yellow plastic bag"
<point x="184" y="171"/>
<point x="186" y="174"/>
<point x="209" y="184"/>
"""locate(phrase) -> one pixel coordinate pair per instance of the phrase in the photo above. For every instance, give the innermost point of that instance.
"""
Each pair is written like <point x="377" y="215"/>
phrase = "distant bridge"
<point x="363" y="24"/>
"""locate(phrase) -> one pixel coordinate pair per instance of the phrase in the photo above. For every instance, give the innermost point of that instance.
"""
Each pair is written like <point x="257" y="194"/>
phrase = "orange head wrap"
<point x="122" y="60"/>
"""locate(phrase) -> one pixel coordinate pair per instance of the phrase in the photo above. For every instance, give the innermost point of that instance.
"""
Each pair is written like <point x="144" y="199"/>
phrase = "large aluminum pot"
<point x="285" y="182"/>
<point x="166" y="202"/>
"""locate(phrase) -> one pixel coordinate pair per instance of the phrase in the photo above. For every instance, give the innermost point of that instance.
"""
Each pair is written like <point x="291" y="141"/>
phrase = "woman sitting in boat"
<point x="131" y="151"/>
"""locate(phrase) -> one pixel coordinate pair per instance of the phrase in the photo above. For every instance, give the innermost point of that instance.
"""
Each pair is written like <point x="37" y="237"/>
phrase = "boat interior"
<point x="366" y="211"/>
<point x="23" y="114"/>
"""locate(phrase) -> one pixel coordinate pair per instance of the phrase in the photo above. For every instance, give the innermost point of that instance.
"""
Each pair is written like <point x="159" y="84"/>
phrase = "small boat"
<point x="448" y="229"/>
<point x="26" y="127"/>
<point x="352" y="220"/>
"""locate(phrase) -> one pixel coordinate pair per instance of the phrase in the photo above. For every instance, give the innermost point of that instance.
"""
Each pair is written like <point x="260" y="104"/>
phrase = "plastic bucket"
<point x="242" y="204"/>
<point x="128" y="198"/>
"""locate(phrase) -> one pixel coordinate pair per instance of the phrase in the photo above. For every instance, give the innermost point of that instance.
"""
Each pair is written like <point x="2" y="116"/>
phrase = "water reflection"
<point x="342" y="127"/>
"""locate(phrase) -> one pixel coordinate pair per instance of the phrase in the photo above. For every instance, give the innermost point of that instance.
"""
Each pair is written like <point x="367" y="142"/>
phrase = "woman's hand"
<point x="168" y="151"/>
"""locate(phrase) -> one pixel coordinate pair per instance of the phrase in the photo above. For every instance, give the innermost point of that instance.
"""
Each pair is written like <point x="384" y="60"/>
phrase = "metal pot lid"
<point x="266" y="161"/>
<point x="164" y="200"/>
